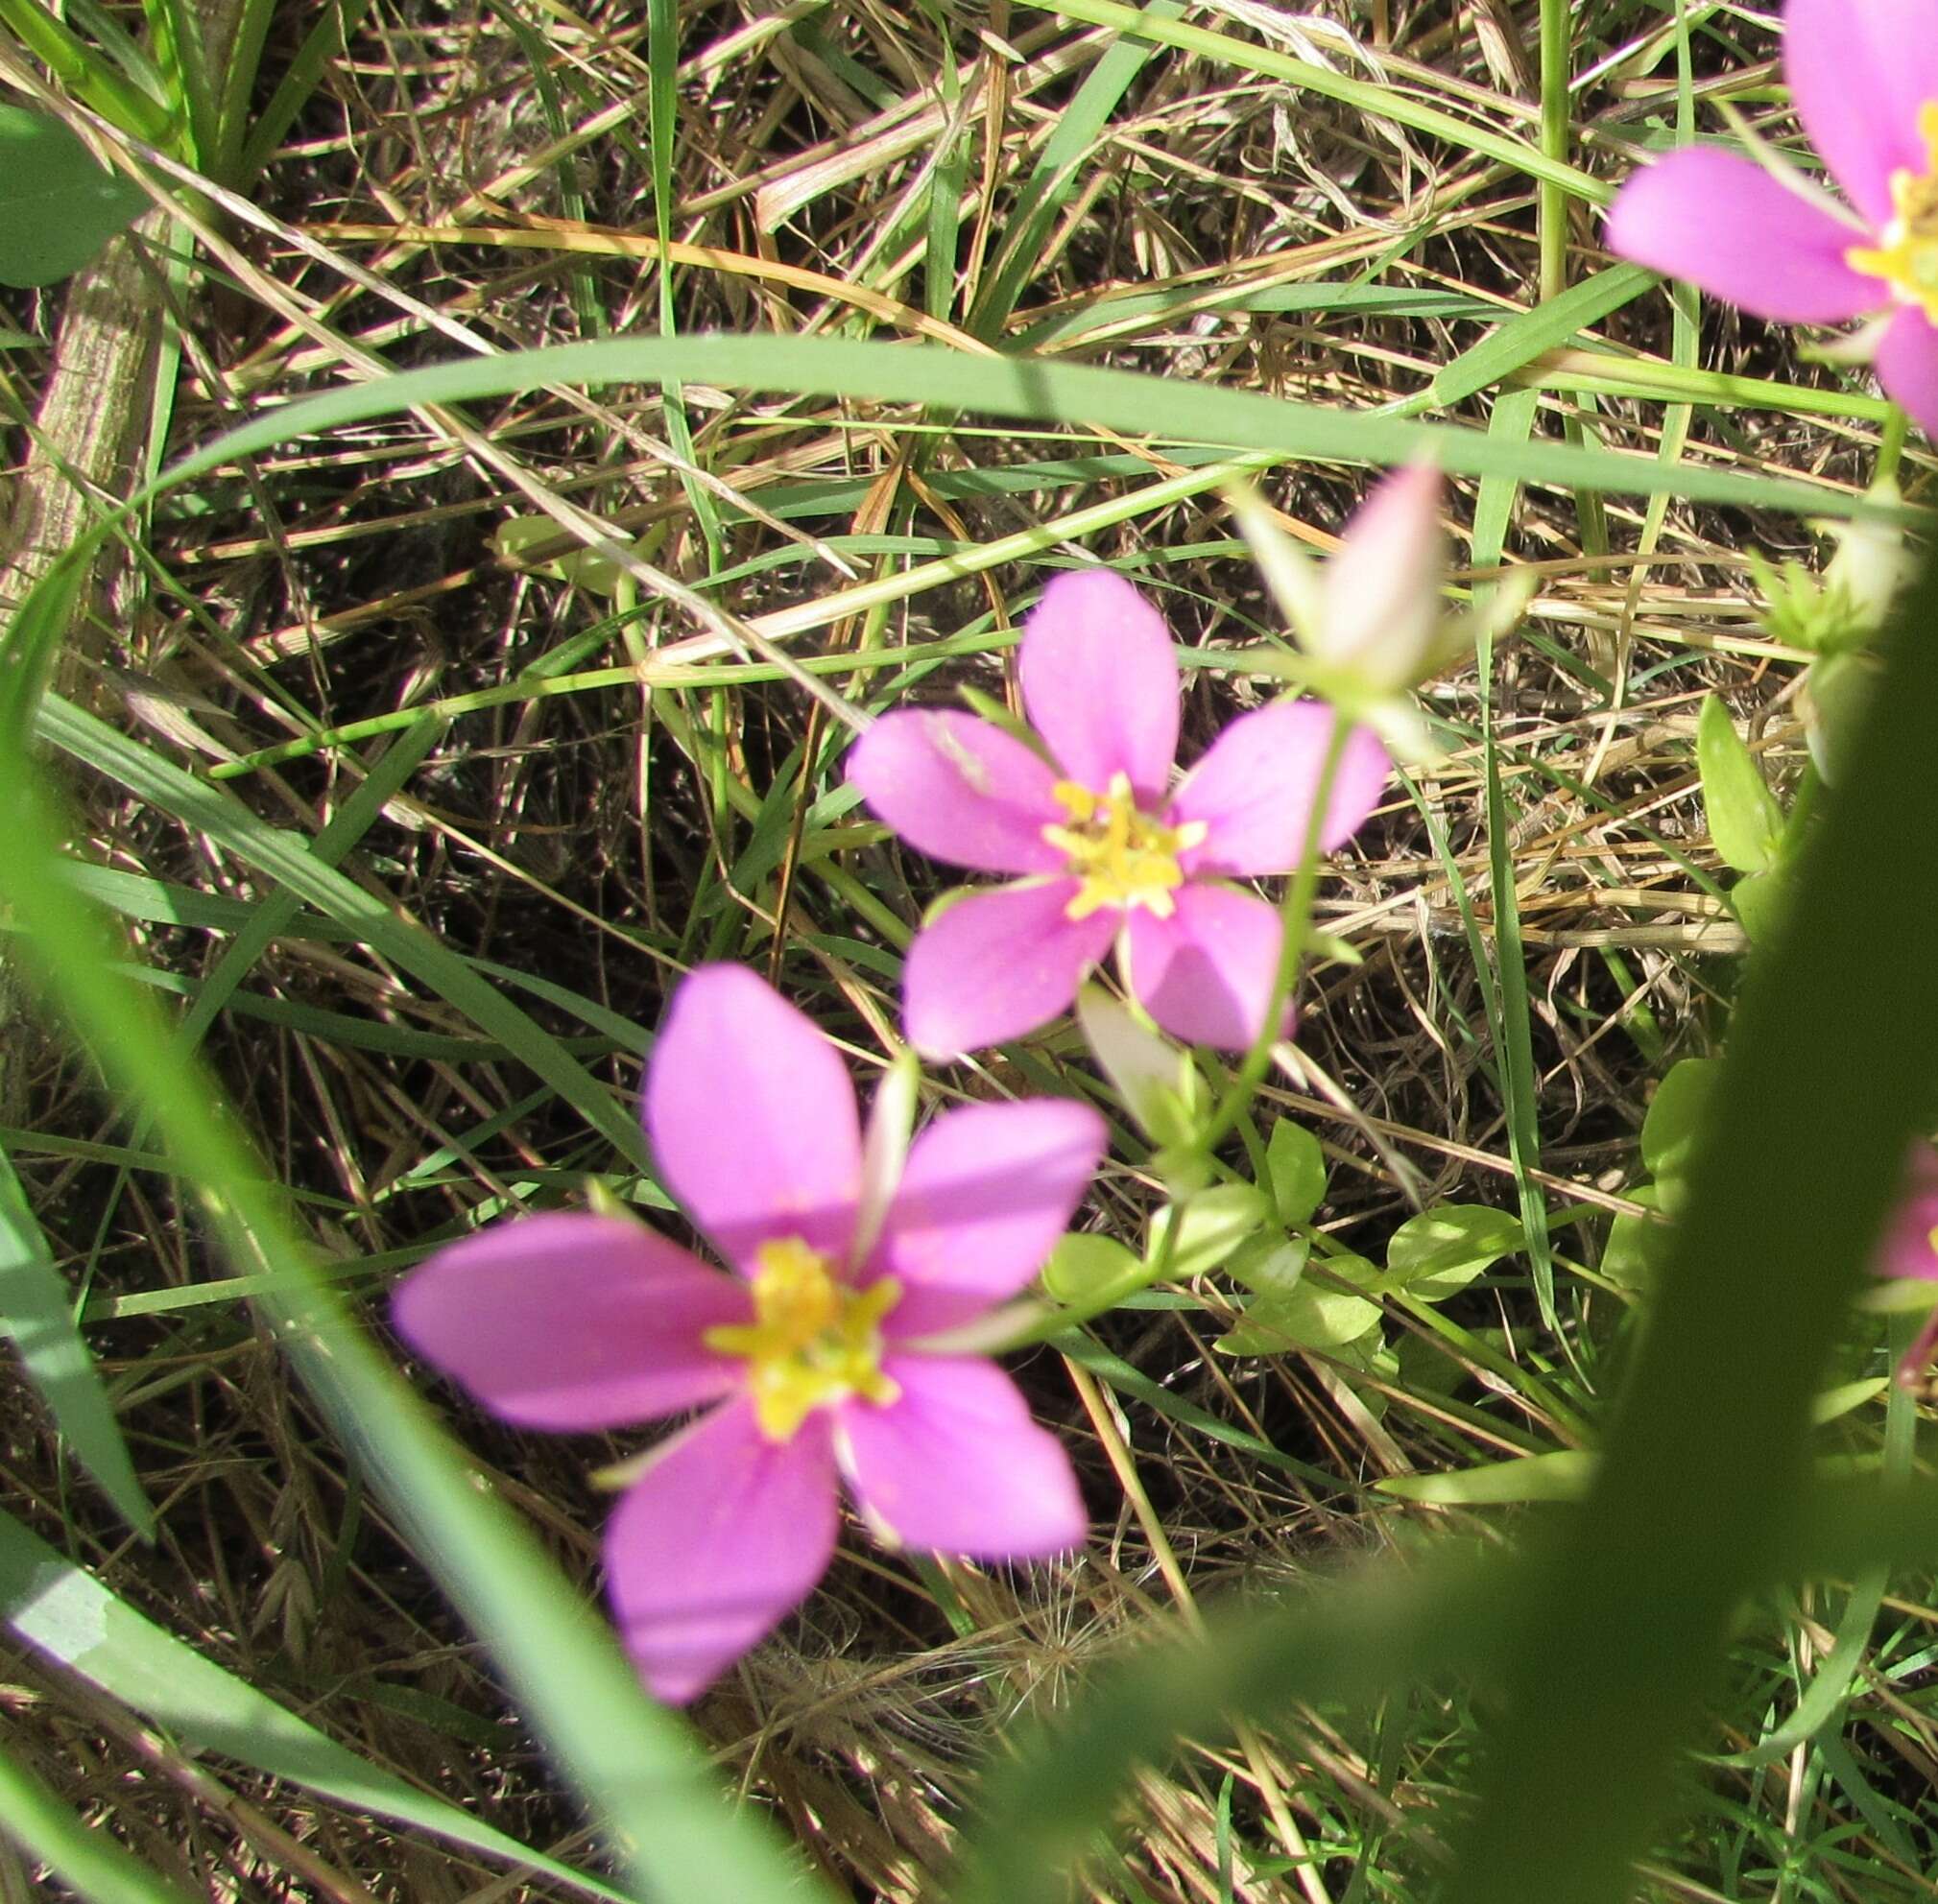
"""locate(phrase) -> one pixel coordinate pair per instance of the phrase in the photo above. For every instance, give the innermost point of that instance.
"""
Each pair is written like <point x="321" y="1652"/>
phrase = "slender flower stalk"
<point x="820" y="1360"/>
<point x="1108" y="854"/>
<point x="1863" y="75"/>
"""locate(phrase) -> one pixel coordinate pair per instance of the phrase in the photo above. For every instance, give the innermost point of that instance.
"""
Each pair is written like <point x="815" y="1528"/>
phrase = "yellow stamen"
<point x="1119" y="855"/>
<point x="813" y="1340"/>
<point x="1908" y="259"/>
<point x="1931" y="1242"/>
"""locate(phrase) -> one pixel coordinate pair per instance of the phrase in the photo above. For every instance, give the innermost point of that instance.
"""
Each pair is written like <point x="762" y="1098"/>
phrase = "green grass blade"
<point x="1377" y="101"/>
<point x="53" y="1607"/>
<point x="1520" y="340"/>
<point x="80" y="1855"/>
<point x="1696" y="1493"/>
<point x="1073" y="140"/>
<point x="37" y="1312"/>
<point x="209" y="809"/>
<point x="1045" y="393"/>
<point x="635" y="1765"/>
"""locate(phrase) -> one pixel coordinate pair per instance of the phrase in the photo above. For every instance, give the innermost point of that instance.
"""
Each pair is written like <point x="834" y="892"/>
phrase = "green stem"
<point x="1551" y="200"/>
<point x="1295" y="915"/>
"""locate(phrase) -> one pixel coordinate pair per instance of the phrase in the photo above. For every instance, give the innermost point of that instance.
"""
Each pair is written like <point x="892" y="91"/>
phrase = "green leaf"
<point x="1297" y="1167"/>
<point x="1675" y="1120"/>
<point x="1082" y="1265"/>
<point x="1267" y="1263"/>
<point x="1215" y="1221"/>
<point x="1442" y="1250"/>
<point x="57" y="207"/>
<point x="1561" y="1475"/>
<point x="53" y="1607"/>
<point x="35" y="1310"/>
<point x="1758" y="900"/>
<point x="1304" y="1317"/>
<point x="1637" y="1246"/>
<point x="1745" y="820"/>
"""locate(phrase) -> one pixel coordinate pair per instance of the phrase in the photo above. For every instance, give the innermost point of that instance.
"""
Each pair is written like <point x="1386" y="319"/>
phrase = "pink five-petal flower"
<point x="1863" y="75"/>
<point x="1108" y="853"/>
<point x="814" y="1355"/>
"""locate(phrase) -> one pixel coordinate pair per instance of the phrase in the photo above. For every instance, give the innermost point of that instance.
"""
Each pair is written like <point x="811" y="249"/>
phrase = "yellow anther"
<point x="1931" y="1241"/>
<point x="813" y="1340"/>
<point x="1118" y="855"/>
<point x="1908" y="259"/>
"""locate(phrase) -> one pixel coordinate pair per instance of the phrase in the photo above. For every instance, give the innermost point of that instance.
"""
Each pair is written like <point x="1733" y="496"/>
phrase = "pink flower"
<point x="1109" y="853"/>
<point x="1863" y="75"/>
<point x="1909" y="1250"/>
<point x="811" y="1356"/>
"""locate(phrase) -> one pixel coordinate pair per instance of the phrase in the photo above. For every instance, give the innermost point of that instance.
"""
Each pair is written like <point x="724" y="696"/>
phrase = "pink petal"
<point x="1206" y="973"/>
<point x="1907" y="1249"/>
<point x="986" y="1193"/>
<point x="1858" y="70"/>
<point x="957" y="1466"/>
<point x="1253" y="790"/>
<point x="1725" y="225"/>
<point x="571" y="1322"/>
<point x="720" y="1537"/>
<point x="1100" y="682"/>
<point x="752" y="1117"/>
<point x="959" y="790"/>
<point x="1382" y="587"/>
<point x="997" y="964"/>
<point x="1907" y="364"/>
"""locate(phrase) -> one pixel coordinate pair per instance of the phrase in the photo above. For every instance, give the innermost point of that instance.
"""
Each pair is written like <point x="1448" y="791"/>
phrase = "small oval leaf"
<point x="1297" y="1167"/>
<point x="1745" y="820"/>
<point x="1441" y="1250"/>
<point x="1082" y="1265"/>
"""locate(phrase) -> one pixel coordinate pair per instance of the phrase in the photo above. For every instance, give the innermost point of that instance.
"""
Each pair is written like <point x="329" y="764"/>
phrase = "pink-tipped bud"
<point x="1381" y="614"/>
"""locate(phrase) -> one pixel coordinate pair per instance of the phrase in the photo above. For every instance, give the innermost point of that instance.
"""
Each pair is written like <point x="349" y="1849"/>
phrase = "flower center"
<point x="1907" y="258"/>
<point x="1119" y="855"/>
<point x="813" y="1342"/>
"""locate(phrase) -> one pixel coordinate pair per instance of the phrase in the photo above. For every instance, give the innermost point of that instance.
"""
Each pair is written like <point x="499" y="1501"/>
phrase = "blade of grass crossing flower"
<point x="207" y="809"/>
<point x="635" y="1765"/>
<point x="1697" y="1496"/>
<point x="1506" y="999"/>
<point x="36" y="1310"/>
<point x="80" y="1855"/>
<point x="53" y="1607"/>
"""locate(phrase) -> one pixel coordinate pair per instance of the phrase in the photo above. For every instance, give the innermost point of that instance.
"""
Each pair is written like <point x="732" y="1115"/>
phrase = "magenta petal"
<point x="1100" y="682"/>
<point x="986" y="1193"/>
<point x="752" y="1117"/>
<point x="997" y="964"/>
<point x="1725" y="225"/>
<point x="959" y="790"/>
<point x="1909" y="1247"/>
<point x="1906" y="364"/>
<point x="1858" y="70"/>
<point x="957" y="1466"/>
<point x="1206" y="973"/>
<point x="1253" y="790"/>
<point x="571" y="1322"/>
<point x="722" y="1535"/>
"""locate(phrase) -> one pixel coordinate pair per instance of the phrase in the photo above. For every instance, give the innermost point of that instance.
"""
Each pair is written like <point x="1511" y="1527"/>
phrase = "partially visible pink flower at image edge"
<point x="1863" y="75"/>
